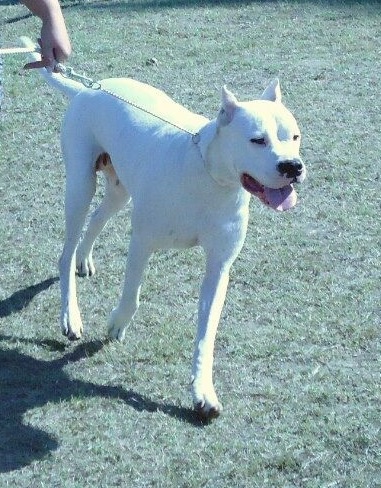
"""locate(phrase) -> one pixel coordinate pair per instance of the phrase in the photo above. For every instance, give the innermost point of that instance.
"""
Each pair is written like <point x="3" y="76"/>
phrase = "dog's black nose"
<point x="290" y="168"/>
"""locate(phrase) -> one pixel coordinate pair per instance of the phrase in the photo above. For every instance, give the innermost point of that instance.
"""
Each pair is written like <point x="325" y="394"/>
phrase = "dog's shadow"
<point x="27" y="383"/>
<point x="21" y="298"/>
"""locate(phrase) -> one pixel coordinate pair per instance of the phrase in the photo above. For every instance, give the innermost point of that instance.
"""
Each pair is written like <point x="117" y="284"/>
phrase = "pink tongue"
<point x="281" y="199"/>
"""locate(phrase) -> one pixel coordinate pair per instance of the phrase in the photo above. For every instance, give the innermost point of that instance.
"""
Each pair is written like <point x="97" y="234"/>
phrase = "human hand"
<point x="54" y="42"/>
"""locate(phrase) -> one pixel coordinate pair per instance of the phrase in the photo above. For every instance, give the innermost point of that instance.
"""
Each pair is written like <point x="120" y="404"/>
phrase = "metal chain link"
<point x="68" y="72"/>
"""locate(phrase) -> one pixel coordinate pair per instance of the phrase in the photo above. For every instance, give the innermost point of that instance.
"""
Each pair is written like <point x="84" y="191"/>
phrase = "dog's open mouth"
<point x="280" y="199"/>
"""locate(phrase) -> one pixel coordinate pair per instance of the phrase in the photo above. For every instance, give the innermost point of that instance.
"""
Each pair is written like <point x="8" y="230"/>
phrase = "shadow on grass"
<point x="142" y="5"/>
<point x="157" y="4"/>
<point x="28" y="383"/>
<point x="21" y="299"/>
<point x="127" y="6"/>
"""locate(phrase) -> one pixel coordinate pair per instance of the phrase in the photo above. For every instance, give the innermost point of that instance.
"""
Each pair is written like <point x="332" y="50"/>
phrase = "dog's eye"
<point x="258" y="140"/>
<point x="296" y="137"/>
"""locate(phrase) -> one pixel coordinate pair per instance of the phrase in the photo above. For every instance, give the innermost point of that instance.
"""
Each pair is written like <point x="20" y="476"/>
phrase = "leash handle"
<point x="17" y="50"/>
<point x="67" y="72"/>
<point x="28" y="47"/>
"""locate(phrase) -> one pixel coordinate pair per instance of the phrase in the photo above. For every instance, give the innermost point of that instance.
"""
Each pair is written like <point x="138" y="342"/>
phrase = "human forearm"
<point x="47" y="10"/>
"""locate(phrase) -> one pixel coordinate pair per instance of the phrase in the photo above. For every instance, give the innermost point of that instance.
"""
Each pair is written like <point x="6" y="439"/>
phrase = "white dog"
<point x="186" y="191"/>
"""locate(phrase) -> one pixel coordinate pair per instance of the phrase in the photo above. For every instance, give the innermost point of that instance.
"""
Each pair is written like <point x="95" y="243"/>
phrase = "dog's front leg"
<point x="121" y="316"/>
<point x="212" y="297"/>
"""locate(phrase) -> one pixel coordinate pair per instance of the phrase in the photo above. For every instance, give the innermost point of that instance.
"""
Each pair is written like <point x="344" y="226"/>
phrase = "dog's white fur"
<point x="184" y="192"/>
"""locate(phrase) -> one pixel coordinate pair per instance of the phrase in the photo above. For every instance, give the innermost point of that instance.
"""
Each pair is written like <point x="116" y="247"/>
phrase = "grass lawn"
<point x="298" y="349"/>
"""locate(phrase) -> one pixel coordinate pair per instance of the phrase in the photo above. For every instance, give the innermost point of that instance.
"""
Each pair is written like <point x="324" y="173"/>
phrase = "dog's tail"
<point x="68" y="87"/>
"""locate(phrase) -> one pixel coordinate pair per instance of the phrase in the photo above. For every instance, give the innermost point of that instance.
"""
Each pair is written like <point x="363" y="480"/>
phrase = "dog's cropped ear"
<point x="229" y="104"/>
<point x="272" y="92"/>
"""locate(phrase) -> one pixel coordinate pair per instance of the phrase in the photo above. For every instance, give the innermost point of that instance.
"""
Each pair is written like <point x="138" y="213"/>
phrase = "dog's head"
<point x="260" y="141"/>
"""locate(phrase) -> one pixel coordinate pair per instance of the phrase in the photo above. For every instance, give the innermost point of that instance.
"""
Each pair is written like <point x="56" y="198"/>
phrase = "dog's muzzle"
<point x="291" y="168"/>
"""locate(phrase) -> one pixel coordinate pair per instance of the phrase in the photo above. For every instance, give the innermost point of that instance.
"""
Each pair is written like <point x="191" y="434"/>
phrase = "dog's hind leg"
<point x="114" y="200"/>
<point x="138" y="256"/>
<point x="80" y="189"/>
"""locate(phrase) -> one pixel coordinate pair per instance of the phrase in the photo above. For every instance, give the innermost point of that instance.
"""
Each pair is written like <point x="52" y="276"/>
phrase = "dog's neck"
<point x="205" y="138"/>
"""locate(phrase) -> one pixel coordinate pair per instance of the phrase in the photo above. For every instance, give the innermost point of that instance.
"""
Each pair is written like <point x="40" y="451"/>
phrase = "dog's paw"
<point x="71" y="325"/>
<point x="206" y="411"/>
<point x="205" y="401"/>
<point x="84" y="266"/>
<point x="116" y="331"/>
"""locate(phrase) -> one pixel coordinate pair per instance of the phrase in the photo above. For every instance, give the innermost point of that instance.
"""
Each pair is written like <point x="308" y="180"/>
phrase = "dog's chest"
<point x="182" y="217"/>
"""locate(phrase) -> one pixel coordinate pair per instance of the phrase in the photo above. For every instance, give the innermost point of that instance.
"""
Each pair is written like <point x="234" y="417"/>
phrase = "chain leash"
<point x="68" y="72"/>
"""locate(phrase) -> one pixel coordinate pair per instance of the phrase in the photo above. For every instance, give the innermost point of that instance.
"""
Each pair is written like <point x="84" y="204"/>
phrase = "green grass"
<point x="298" y="350"/>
